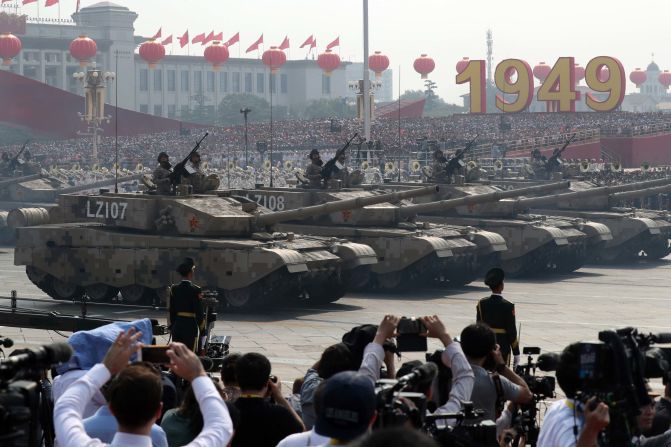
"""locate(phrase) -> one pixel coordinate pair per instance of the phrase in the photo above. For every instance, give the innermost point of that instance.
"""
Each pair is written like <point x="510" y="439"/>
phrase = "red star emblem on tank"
<point x="194" y="223"/>
<point x="346" y="215"/>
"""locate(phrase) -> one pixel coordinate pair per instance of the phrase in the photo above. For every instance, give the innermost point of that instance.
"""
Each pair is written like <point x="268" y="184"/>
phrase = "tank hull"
<point x="68" y="260"/>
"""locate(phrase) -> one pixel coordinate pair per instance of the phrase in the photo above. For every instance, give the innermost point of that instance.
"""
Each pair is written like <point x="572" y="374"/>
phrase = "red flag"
<point x="255" y="45"/>
<point x="233" y="40"/>
<point x="335" y="43"/>
<point x="285" y="43"/>
<point x="158" y="33"/>
<point x="309" y="41"/>
<point x="26" y="2"/>
<point x="199" y="38"/>
<point x="184" y="40"/>
<point x="50" y="3"/>
<point x="314" y="44"/>
<point x="218" y="37"/>
<point x="208" y="39"/>
<point x="167" y="40"/>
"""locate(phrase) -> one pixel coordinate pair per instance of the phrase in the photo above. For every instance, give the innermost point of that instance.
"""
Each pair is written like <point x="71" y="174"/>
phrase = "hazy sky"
<point x="447" y="30"/>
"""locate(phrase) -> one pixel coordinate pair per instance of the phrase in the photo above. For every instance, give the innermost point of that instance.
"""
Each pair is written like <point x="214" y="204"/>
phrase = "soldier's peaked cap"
<point x="313" y="152"/>
<point x="162" y="155"/>
<point x="186" y="266"/>
<point x="494" y="277"/>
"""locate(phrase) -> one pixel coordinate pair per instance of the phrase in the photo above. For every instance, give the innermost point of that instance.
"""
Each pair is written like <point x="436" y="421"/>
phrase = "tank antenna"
<point x="116" y="125"/>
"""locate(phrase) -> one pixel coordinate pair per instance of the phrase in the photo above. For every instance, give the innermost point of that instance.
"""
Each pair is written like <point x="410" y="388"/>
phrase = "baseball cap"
<point x="348" y="405"/>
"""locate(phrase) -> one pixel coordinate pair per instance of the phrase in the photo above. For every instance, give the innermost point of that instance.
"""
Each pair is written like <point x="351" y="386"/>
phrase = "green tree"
<point x="327" y="108"/>
<point x="230" y="106"/>
<point x="413" y="94"/>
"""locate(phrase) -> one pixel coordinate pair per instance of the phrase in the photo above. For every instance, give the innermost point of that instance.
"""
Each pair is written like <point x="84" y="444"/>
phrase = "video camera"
<point x="25" y="395"/>
<point x="614" y="371"/>
<point x="469" y="431"/>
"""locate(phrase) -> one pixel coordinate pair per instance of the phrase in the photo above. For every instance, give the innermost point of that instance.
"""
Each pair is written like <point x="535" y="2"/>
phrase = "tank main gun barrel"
<point x="342" y="205"/>
<point x="443" y="205"/>
<point x="640" y="193"/>
<point x="25" y="178"/>
<point x="534" y="202"/>
<point x="98" y="184"/>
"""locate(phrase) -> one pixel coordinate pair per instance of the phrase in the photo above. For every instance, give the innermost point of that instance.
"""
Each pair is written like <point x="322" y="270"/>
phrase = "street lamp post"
<point x="246" y="112"/>
<point x="366" y="74"/>
<point x="94" y="82"/>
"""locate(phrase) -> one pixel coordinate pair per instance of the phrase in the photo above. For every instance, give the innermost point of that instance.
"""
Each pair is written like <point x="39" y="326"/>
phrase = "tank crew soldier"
<point x="197" y="178"/>
<point x="185" y="307"/>
<point x="161" y="175"/>
<point x="438" y="166"/>
<point x="339" y="171"/>
<point x="499" y="314"/>
<point x="4" y="163"/>
<point x="28" y="166"/>
<point x="313" y="171"/>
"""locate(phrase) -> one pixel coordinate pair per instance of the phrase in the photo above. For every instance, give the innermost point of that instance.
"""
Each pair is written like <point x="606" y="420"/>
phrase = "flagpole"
<point x="366" y="75"/>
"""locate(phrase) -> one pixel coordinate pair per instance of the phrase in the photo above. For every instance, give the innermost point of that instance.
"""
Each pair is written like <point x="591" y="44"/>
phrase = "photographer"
<point x="453" y="357"/>
<point x="569" y="422"/>
<point x="338" y="358"/>
<point x="479" y="344"/>
<point x="135" y="397"/>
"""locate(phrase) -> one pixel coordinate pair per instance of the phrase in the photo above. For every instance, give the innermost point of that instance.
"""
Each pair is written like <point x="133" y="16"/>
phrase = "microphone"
<point x="6" y="342"/>
<point x="43" y="356"/>
<point x="422" y="373"/>
<point x="548" y="361"/>
<point x="663" y="337"/>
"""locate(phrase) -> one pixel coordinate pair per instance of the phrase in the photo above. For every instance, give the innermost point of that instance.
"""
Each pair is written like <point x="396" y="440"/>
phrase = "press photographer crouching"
<point x="607" y="399"/>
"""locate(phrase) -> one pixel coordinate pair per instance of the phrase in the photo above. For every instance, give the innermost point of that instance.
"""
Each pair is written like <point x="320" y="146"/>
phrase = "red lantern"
<point x="638" y="77"/>
<point x="216" y="54"/>
<point x="665" y="79"/>
<point x="424" y="65"/>
<point x="541" y="71"/>
<point x="461" y="65"/>
<point x="328" y="61"/>
<point x="10" y="47"/>
<point x="578" y="73"/>
<point x="378" y="62"/>
<point x="83" y="49"/>
<point x="274" y="58"/>
<point x="152" y="52"/>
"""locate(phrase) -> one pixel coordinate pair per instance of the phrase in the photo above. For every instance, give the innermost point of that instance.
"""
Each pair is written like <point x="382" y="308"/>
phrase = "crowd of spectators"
<point x="111" y="401"/>
<point x="296" y="138"/>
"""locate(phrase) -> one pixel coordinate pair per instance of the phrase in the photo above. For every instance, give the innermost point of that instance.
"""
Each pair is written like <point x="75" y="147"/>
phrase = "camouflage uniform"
<point x="201" y="183"/>
<point x="161" y="178"/>
<point x="438" y="170"/>
<point x="313" y="172"/>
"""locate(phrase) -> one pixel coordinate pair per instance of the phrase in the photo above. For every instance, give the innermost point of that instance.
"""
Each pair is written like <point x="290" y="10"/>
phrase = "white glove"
<point x="516" y="361"/>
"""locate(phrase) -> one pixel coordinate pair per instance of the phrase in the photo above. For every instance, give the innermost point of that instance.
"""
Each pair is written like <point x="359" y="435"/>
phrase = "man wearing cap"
<point x="185" y="308"/>
<point x="313" y="171"/>
<point x="438" y="166"/>
<point x="197" y="178"/>
<point x="161" y="175"/>
<point x="499" y="314"/>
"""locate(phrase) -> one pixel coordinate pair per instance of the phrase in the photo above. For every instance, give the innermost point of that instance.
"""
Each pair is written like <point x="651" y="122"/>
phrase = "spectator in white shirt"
<point x="135" y="398"/>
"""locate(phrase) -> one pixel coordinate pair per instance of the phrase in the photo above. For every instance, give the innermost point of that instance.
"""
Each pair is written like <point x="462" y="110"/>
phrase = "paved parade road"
<point x="553" y="312"/>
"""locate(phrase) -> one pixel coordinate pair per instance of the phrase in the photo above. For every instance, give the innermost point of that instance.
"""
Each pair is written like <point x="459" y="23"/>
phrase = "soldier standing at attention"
<point x="161" y="175"/>
<point x="499" y="314"/>
<point x="313" y="171"/>
<point x="185" y="308"/>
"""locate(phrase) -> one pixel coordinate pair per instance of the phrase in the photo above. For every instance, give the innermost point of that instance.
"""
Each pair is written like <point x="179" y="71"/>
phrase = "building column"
<point x="43" y="74"/>
<point x="64" y="70"/>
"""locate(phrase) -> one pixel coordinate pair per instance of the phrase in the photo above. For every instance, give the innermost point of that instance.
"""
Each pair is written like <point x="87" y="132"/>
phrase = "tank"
<point x="637" y="233"/>
<point x="128" y="245"/>
<point x="537" y="244"/>
<point x="410" y="253"/>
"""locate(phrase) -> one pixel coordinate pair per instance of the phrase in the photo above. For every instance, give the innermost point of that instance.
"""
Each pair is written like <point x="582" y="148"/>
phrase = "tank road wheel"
<point x="389" y="280"/>
<point x="101" y="293"/>
<point x="65" y="291"/>
<point x="239" y="299"/>
<point x="329" y="292"/>
<point x="657" y="248"/>
<point x="358" y="277"/>
<point x="133" y="294"/>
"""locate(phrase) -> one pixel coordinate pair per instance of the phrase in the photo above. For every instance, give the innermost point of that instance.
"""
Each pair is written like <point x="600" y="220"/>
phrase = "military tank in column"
<point x="411" y="254"/>
<point x="105" y="245"/>
<point x="637" y="233"/>
<point x="537" y="244"/>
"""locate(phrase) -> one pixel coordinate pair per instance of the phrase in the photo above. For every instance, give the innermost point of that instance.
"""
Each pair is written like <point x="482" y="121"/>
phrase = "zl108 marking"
<point x="106" y="210"/>
<point x="273" y="203"/>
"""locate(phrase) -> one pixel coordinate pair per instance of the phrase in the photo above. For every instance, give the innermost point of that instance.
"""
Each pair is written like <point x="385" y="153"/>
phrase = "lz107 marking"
<point x="106" y="210"/>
